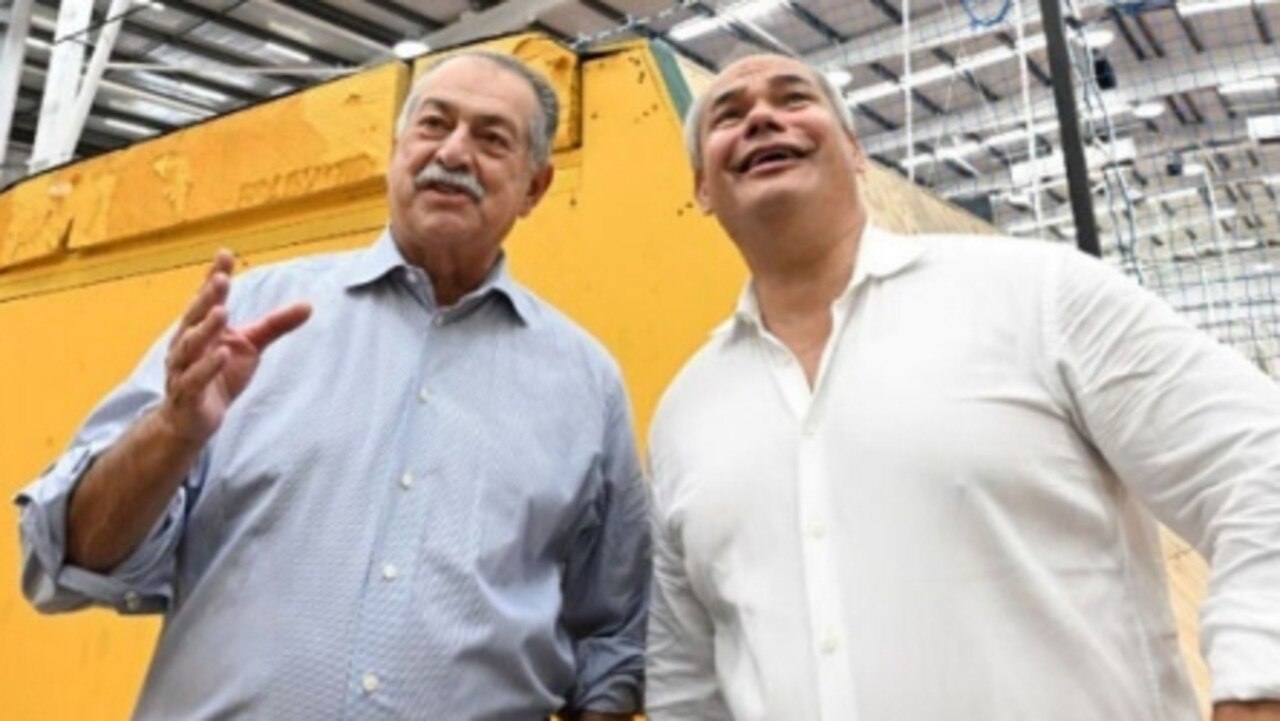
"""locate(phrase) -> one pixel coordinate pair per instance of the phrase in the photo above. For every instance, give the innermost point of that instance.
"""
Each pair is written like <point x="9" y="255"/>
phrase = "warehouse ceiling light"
<point x="1248" y="85"/>
<point x="839" y="77"/>
<point x="1098" y="38"/>
<point x="1189" y="8"/>
<point x="1264" y="128"/>
<point x="1149" y="110"/>
<point x="181" y="88"/>
<point x="128" y="127"/>
<point x="409" y="48"/>
<point x="1193" y="169"/>
<point x="943" y="71"/>
<point x="285" y="52"/>
<point x="747" y="11"/>
<point x="290" y="31"/>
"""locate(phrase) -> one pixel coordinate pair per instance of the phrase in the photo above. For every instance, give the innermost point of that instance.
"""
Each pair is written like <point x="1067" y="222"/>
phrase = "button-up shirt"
<point x="953" y="522"/>
<point x="411" y="512"/>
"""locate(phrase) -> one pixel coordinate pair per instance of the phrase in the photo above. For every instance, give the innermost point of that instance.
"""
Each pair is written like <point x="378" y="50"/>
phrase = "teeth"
<point x="768" y="155"/>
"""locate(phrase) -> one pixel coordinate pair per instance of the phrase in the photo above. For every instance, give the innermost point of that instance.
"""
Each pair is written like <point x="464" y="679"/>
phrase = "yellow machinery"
<point x="96" y="258"/>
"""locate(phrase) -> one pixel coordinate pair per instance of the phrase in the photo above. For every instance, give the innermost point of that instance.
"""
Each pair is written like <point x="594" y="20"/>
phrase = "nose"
<point x="454" y="150"/>
<point x="760" y="119"/>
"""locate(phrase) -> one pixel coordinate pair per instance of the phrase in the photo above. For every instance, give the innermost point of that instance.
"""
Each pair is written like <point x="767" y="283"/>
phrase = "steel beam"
<point x="106" y="41"/>
<point x="1069" y="128"/>
<point x="499" y="19"/>
<point x="943" y="26"/>
<point x="1170" y="76"/>
<point x="12" y="56"/>
<point x="62" y="81"/>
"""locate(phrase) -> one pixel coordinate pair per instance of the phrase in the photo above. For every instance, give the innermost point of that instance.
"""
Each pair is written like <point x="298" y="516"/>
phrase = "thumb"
<point x="271" y="327"/>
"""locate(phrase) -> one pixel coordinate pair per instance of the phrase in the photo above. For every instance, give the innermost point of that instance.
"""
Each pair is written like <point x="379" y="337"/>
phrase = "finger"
<point x="224" y="261"/>
<point x="277" y="323"/>
<point x="194" y="342"/>
<point x="188" y="344"/>
<point x="201" y="373"/>
<point x="213" y="291"/>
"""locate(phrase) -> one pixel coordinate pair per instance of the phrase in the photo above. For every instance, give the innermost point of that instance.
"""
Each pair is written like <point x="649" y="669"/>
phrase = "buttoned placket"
<point x="835" y="683"/>
<point x="394" y="552"/>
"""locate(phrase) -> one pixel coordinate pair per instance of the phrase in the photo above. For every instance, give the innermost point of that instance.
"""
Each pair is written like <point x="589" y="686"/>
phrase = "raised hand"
<point x="209" y="363"/>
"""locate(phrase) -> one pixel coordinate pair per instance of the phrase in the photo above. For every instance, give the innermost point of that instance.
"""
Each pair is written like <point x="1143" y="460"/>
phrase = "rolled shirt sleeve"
<point x="607" y="577"/>
<point x="1194" y="431"/>
<point x="142" y="583"/>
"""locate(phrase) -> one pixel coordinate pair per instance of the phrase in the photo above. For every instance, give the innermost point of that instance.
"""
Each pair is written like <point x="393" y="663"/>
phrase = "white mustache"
<point x="461" y="179"/>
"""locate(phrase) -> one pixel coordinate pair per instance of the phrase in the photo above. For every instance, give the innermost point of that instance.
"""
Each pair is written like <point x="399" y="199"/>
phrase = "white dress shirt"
<point x="953" y="523"/>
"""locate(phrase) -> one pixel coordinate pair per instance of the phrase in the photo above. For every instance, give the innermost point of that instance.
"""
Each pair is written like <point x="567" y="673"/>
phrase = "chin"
<point x="779" y="197"/>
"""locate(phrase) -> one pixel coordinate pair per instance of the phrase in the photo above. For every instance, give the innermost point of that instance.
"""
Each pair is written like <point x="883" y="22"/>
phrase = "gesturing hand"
<point x="210" y="364"/>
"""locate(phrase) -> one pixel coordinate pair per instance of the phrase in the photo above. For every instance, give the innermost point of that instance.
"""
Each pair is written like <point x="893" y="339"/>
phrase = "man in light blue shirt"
<point x="423" y="502"/>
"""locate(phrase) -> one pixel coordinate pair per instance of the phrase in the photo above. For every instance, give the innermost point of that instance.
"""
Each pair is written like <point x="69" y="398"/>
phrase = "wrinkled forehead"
<point x="763" y="72"/>
<point x="479" y="82"/>
<point x="764" y="69"/>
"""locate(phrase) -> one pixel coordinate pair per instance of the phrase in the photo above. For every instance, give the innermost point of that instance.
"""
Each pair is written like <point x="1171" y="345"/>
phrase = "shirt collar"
<point x="881" y="255"/>
<point x="383" y="258"/>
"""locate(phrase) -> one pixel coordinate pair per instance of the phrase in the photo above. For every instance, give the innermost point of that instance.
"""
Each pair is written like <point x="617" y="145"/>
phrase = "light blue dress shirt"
<point x="412" y="512"/>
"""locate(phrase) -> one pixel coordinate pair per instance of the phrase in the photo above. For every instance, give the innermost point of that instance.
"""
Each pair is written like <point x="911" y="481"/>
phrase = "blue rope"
<point x="1137" y="7"/>
<point x="986" y="22"/>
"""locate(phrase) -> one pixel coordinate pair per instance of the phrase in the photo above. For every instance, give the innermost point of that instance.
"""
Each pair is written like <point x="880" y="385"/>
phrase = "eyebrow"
<point x="729" y="95"/>
<point x="481" y="119"/>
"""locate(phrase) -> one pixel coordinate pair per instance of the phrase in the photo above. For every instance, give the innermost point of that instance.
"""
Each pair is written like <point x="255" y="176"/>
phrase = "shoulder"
<point x="998" y="269"/>
<point x="1056" y="266"/>
<point x="996" y="252"/>
<point x="569" y="343"/>
<point x="702" y="378"/>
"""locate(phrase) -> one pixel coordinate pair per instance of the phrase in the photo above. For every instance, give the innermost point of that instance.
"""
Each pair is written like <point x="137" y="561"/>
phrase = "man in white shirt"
<point x="910" y="477"/>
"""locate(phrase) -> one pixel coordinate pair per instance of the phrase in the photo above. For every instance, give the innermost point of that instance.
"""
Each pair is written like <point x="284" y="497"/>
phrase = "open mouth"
<point x="446" y="188"/>
<point x="769" y="156"/>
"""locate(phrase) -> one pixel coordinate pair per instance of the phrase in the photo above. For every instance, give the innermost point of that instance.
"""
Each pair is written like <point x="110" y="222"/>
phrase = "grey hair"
<point x="692" y="118"/>
<point x="542" y="126"/>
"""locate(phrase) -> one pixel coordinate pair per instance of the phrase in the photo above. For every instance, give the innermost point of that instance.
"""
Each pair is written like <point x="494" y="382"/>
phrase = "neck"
<point x="455" y="269"/>
<point x="800" y="263"/>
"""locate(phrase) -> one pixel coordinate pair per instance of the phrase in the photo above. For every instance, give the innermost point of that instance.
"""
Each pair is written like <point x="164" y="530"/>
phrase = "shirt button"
<point x="132" y="600"/>
<point x="389" y="571"/>
<point x="817" y="529"/>
<point x="424" y="395"/>
<point x="829" y="644"/>
<point x="810" y="429"/>
<point x="437" y="319"/>
<point x="406" y="480"/>
<point x="369" y="682"/>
